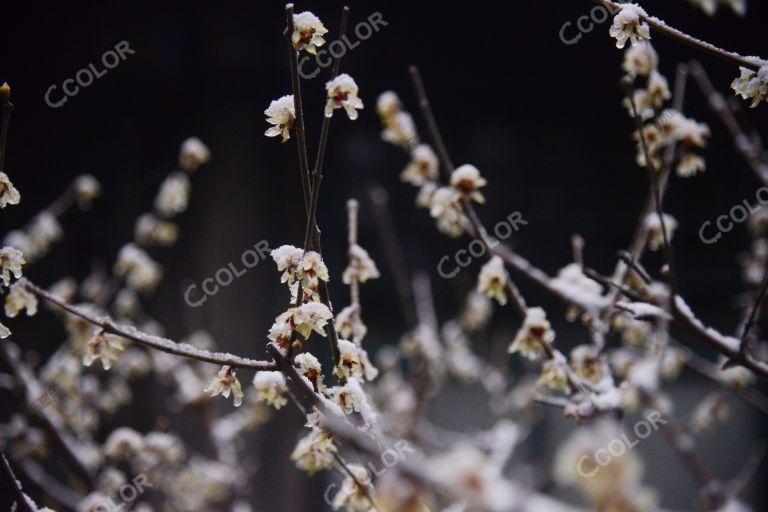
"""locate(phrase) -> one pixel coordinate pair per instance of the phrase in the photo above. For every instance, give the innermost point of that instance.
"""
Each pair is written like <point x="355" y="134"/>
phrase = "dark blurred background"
<point x="542" y="120"/>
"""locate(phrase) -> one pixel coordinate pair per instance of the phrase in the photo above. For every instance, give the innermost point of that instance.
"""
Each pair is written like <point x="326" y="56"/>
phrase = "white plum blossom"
<point x="361" y="267"/>
<point x="21" y="241"/>
<point x="140" y="271"/>
<point x="422" y="168"/>
<point x="349" y="361"/>
<point x="350" y="495"/>
<point x="554" y="375"/>
<point x="19" y="298"/>
<point x="287" y="258"/>
<point x="281" y="113"/>
<point x="655" y="233"/>
<point x="587" y="363"/>
<point x="388" y="103"/>
<point x="533" y="336"/>
<point x="4" y="331"/>
<point x="311" y="271"/>
<point x="173" y="196"/>
<point x="675" y="126"/>
<point x="349" y="325"/>
<point x="87" y="188"/>
<point x="493" y="280"/>
<point x="123" y="444"/>
<point x="314" y="452"/>
<point x="640" y="60"/>
<point x="690" y="164"/>
<point x="658" y="89"/>
<point x="468" y="181"/>
<point x="752" y="85"/>
<point x="473" y="478"/>
<point x="271" y="388"/>
<point x="309" y="367"/>
<point x="425" y="195"/>
<point x="342" y="93"/>
<point x="710" y="6"/>
<point x="628" y="24"/>
<point x="193" y="153"/>
<point x="104" y="347"/>
<point x="226" y="383"/>
<point x="477" y="311"/>
<point x="43" y="232"/>
<point x="11" y="260"/>
<point x="399" y="128"/>
<point x="8" y="193"/>
<point x="351" y="398"/>
<point x="152" y="230"/>
<point x="308" y="32"/>
<point x="572" y="283"/>
<point x="735" y="377"/>
<point x="445" y="206"/>
<point x="615" y="484"/>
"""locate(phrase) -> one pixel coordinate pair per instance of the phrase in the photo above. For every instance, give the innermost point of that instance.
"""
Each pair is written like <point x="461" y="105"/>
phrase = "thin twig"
<point x="149" y="340"/>
<point x="713" y="372"/>
<point x="53" y="489"/>
<point x="634" y="265"/>
<point x="325" y="127"/>
<point x="753" y="314"/>
<point x="678" y="35"/>
<point x="13" y="485"/>
<point x="312" y="237"/>
<point x="657" y="194"/>
<point x="392" y="250"/>
<point x="748" y="470"/>
<point x="517" y="299"/>
<point x="429" y="117"/>
<point x="749" y="149"/>
<point x="590" y="273"/>
<point x="7" y="110"/>
<point x="301" y="136"/>
<point x="726" y="346"/>
<point x="479" y="231"/>
<point x="31" y="391"/>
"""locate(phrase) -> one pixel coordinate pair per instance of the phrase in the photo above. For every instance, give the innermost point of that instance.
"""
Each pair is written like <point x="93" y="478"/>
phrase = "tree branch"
<point x="149" y="340"/>
<point x="680" y="36"/>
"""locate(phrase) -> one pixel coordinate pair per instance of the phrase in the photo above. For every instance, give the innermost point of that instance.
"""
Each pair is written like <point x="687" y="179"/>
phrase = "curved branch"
<point x="661" y="27"/>
<point x="149" y="340"/>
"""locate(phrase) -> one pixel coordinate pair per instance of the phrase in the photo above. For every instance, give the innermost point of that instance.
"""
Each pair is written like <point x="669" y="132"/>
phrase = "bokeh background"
<point x="541" y="119"/>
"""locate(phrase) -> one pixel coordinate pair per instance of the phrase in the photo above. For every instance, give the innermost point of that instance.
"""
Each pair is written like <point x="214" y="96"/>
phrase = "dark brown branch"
<point x="301" y="137"/>
<point x="429" y="117"/>
<point x="673" y="33"/>
<point x="392" y="250"/>
<point x="750" y="150"/>
<point x="31" y="391"/>
<point x="65" y="497"/>
<point x="13" y="485"/>
<point x="7" y="110"/>
<point x="326" y="126"/>
<point x="149" y="340"/>
<point x="657" y="192"/>
<point x="753" y="314"/>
